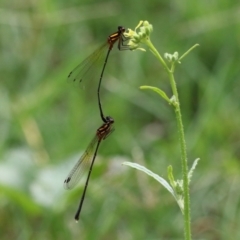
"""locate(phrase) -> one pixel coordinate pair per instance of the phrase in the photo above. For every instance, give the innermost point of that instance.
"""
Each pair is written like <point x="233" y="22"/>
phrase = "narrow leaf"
<point x="158" y="91"/>
<point x="190" y="173"/>
<point x="159" y="179"/>
<point x="150" y="173"/>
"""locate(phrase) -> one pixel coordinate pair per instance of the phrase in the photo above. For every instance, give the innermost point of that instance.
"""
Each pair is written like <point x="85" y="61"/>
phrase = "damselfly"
<point x="85" y="163"/>
<point x="80" y="72"/>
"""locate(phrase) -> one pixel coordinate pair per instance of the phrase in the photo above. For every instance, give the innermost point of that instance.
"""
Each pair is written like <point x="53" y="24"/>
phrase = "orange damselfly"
<point x="85" y="163"/>
<point x="80" y="72"/>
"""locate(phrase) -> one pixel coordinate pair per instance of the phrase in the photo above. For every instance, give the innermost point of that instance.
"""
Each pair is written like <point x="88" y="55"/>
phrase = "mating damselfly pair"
<point x="79" y="74"/>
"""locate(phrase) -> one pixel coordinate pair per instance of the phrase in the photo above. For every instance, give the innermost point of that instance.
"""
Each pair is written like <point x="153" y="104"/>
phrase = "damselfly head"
<point x="121" y="29"/>
<point x="109" y="120"/>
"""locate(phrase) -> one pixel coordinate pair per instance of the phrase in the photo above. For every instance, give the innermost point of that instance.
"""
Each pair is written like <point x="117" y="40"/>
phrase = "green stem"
<point x="156" y="53"/>
<point x="187" y="217"/>
<point x="188" y="51"/>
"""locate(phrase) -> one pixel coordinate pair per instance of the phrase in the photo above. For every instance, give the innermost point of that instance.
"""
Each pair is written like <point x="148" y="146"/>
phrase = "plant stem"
<point x="156" y="53"/>
<point x="187" y="217"/>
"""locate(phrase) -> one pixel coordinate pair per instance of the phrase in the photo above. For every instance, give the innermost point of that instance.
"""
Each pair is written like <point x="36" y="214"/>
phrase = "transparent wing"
<point x="82" y="166"/>
<point x="92" y="62"/>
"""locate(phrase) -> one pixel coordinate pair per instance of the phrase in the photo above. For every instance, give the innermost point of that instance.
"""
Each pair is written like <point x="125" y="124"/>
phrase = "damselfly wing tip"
<point x="66" y="181"/>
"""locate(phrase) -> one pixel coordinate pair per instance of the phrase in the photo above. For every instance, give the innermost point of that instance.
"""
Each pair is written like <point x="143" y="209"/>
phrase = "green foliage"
<point x="46" y="123"/>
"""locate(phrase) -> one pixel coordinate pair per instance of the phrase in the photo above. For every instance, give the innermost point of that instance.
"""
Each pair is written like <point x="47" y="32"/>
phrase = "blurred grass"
<point x="46" y="123"/>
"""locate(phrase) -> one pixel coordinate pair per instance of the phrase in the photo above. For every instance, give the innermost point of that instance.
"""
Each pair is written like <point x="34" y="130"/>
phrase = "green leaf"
<point x="158" y="91"/>
<point x="152" y="174"/>
<point x="159" y="179"/>
<point x="170" y="176"/>
<point x="190" y="173"/>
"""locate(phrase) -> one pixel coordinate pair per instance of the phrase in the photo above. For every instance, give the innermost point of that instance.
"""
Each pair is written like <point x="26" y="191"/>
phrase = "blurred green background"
<point x="46" y="123"/>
